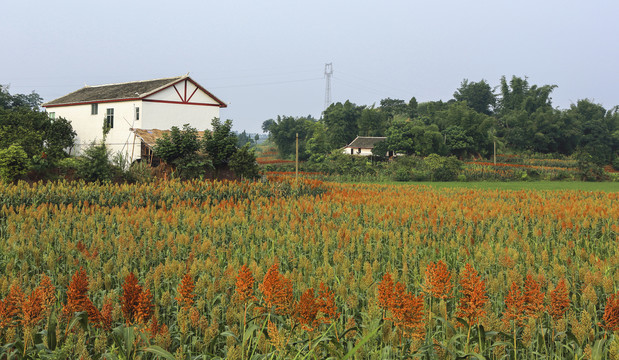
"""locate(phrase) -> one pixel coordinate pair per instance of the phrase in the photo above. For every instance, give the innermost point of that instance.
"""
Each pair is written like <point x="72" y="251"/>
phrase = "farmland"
<point x="279" y="269"/>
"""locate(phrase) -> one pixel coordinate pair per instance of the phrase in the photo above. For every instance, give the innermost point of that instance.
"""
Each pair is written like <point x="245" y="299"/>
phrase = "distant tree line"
<point x="516" y="117"/>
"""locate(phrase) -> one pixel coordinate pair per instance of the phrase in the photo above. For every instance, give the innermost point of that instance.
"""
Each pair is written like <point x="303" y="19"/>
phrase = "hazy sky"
<point x="267" y="58"/>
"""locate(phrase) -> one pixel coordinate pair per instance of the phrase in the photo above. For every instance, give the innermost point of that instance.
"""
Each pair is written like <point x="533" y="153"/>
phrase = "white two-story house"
<point x="124" y="107"/>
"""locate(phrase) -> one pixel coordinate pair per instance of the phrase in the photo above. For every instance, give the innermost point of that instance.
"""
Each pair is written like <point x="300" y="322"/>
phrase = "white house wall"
<point x="355" y="151"/>
<point x="89" y="127"/>
<point x="164" y="115"/>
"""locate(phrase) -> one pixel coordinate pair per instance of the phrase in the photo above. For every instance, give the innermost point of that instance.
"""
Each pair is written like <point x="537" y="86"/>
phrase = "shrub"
<point x="588" y="169"/>
<point x="95" y="164"/>
<point x="13" y="163"/>
<point x="442" y="168"/>
<point x="403" y="174"/>
<point x="243" y="163"/>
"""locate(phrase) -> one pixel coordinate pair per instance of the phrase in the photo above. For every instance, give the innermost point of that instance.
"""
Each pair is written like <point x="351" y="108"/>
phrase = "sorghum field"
<point x="278" y="269"/>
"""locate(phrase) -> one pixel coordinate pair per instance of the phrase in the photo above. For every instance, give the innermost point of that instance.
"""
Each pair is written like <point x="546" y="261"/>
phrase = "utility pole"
<point x="296" y="171"/>
<point x="328" y="74"/>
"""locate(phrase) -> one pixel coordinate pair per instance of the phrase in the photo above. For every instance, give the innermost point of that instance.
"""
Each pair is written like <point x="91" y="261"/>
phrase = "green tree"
<point x="372" y="122"/>
<point x="478" y="96"/>
<point x="519" y="95"/>
<point x="243" y="163"/>
<point x="597" y="126"/>
<point x="21" y="123"/>
<point x="458" y="142"/>
<point x="318" y="146"/>
<point x="392" y="107"/>
<point x="412" y="108"/>
<point x="283" y="133"/>
<point x="13" y="163"/>
<point x="31" y="101"/>
<point x="342" y="122"/>
<point x="59" y="135"/>
<point x="180" y="149"/>
<point x="220" y="143"/>
<point x="414" y="137"/>
<point x="474" y="124"/>
<point x="244" y="138"/>
<point x="177" y="144"/>
<point x="95" y="163"/>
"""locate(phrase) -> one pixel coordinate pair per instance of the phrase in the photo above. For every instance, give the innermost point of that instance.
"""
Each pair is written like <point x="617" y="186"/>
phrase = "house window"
<point x="109" y="118"/>
<point x="94" y="109"/>
<point x="52" y="115"/>
<point x="137" y="113"/>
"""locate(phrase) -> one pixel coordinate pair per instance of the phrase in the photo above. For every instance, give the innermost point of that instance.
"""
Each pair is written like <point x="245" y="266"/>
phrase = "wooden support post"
<point x="296" y="176"/>
<point x="133" y="148"/>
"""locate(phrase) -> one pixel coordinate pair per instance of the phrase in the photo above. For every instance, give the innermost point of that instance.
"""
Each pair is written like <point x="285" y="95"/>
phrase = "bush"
<point x="95" y="164"/>
<point x="421" y="175"/>
<point x="442" y="168"/>
<point x="588" y="169"/>
<point x="68" y="167"/>
<point x="193" y="167"/>
<point x="13" y="163"/>
<point x="243" y="163"/>
<point x="403" y="174"/>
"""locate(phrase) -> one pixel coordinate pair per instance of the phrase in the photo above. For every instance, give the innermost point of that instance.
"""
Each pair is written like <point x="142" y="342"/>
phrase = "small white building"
<point x="363" y="145"/>
<point x="149" y="104"/>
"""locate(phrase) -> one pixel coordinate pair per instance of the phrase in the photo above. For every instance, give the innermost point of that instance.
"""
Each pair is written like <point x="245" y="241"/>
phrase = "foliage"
<point x="31" y="101"/>
<point x="220" y="143"/>
<point x="392" y="107"/>
<point x="342" y="122"/>
<point x="13" y="163"/>
<point x="372" y="122"/>
<point x="177" y="144"/>
<point x="283" y="132"/>
<point x="244" y="138"/>
<point x="588" y="169"/>
<point x="413" y="137"/>
<point x="318" y="147"/>
<point x="179" y="148"/>
<point x="442" y="168"/>
<point x="95" y="164"/>
<point x="243" y="163"/>
<point x="478" y="96"/>
<point x="21" y="123"/>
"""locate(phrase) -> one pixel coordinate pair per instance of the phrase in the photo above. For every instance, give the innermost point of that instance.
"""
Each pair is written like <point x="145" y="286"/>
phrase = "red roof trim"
<point x="220" y="103"/>
<point x="92" y="102"/>
<point x="180" y="102"/>
<point x="194" y="91"/>
<point x="175" y="89"/>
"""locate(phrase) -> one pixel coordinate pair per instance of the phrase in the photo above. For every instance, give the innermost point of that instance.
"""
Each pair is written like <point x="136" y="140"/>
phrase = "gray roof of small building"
<point x="128" y="90"/>
<point x="365" y="142"/>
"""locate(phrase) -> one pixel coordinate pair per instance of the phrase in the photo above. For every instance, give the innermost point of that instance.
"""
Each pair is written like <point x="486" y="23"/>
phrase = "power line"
<point x="263" y="84"/>
<point x="375" y="83"/>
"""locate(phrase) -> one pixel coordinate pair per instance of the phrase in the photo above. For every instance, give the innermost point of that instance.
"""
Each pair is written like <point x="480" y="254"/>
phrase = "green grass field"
<point x="524" y="185"/>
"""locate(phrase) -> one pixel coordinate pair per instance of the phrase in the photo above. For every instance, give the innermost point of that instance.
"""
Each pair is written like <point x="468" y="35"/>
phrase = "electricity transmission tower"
<point x="328" y="74"/>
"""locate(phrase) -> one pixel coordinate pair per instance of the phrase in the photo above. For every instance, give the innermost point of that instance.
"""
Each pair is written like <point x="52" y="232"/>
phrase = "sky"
<point x="267" y="58"/>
